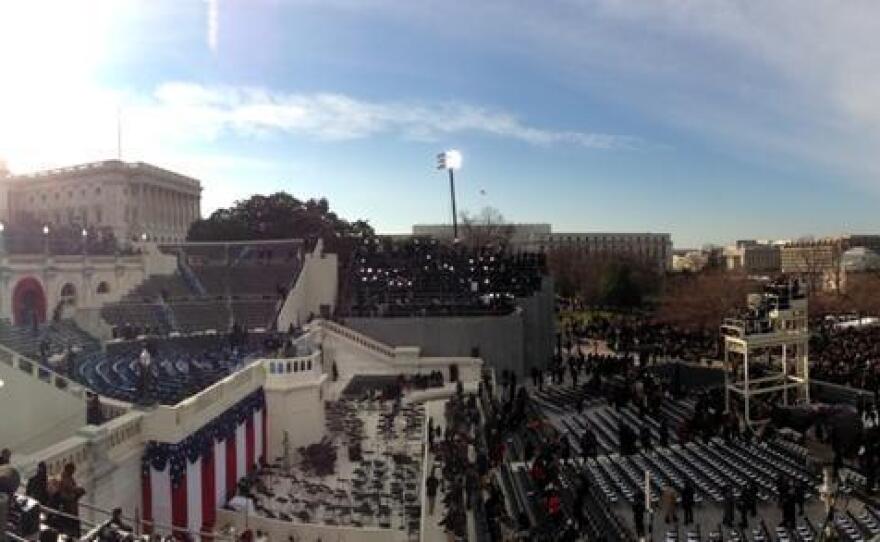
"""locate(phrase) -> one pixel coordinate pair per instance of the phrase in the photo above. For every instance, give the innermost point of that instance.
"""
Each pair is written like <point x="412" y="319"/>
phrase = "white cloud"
<point x="208" y="112"/>
<point x="52" y="127"/>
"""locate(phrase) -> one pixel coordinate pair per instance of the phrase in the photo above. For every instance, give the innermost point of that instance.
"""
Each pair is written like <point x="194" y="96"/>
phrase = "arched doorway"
<point x="28" y="302"/>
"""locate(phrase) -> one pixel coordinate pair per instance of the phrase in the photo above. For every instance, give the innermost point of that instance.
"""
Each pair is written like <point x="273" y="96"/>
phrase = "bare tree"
<point x="703" y="300"/>
<point x="486" y="228"/>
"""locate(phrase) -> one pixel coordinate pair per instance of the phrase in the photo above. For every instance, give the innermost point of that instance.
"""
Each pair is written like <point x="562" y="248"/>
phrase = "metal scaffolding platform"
<point x="766" y="351"/>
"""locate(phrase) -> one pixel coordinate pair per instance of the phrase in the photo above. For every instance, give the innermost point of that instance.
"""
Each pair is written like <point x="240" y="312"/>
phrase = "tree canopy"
<point x="597" y="279"/>
<point x="276" y="216"/>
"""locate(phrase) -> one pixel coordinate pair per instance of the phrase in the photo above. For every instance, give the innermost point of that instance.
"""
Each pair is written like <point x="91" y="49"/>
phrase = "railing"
<point x="286" y="371"/>
<point x="170" y="423"/>
<point x="407" y="359"/>
<point x="358" y="338"/>
<point x="40" y="372"/>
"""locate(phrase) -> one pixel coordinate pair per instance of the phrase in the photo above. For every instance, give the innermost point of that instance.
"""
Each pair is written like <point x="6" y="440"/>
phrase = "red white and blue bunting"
<point x="183" y="484"/>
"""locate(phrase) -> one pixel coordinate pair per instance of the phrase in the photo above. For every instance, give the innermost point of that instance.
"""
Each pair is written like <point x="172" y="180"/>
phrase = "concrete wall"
<point x="516" y="342"/>
<point x="498" y="338"/>
<point x="36" y="412"/>
<point x="317" y="285"/>
<point x="539" y="326"/>
<point x="295" y="399"/>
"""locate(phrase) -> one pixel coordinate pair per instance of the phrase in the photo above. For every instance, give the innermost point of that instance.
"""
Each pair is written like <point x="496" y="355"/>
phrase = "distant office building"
<point x="821" y="261"/>
<point x="752" y="257"/>
<point x="132" y="198"/>
<point x="651" y="247"/>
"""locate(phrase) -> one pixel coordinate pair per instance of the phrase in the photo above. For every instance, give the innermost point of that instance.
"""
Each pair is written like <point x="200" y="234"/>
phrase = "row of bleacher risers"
<point x="140" y="315"/>
<point x="159" y="286"/>
<point x="197" y="315"/>
<point x="181" y="366"/>
<point x="261" y="281"/>
<point x="862" y="526"/>
<point x="600" y="521"/>
<point x="60" y="335"/>
<point x="197" y="296"/>
<point x="710" y="467"/>
<point x="201" y="315"/>
<point x="254" y="313"/>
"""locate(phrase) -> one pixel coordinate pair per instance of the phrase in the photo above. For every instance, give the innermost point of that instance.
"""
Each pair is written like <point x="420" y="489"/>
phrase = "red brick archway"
<point x="28" y="301"/>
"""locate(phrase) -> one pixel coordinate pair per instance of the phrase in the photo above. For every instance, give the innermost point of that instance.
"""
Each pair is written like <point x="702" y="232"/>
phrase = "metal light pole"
<point x="450" y="161"/>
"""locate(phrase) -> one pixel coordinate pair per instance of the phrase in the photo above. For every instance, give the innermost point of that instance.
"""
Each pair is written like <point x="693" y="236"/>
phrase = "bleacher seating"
<point x="145" y="316"/>
<point x="215" y="285"/>
<point x="201" y="315"/>
<point x="253" y="313"/>
<point x="422" y="276"/>
<point x="181" y="366"/>
<point x="59" y="335"/>
<point x="156" y="286"/>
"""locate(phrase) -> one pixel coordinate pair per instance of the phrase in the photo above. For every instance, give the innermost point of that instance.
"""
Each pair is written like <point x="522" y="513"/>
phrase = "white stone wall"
<point x="36" y="413"/>
<point x="317" y="285"/>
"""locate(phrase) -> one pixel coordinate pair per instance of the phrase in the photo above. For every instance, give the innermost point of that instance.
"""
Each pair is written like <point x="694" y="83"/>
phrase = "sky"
<point x="712" y="120"/>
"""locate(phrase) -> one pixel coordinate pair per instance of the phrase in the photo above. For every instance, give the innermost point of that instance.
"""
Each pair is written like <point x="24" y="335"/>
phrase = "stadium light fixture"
<point x="450" y="161"/>
<point x="46" y="229"/>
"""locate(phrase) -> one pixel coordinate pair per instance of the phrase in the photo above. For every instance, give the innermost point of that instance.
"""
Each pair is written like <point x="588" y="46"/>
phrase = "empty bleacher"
<point x="159" y="286"/>
<point x="201" y="315"/>
<point x="216" y="285"/>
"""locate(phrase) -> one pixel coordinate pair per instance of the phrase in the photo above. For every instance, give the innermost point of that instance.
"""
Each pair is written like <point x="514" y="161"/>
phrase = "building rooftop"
<point x="101" y="166"/>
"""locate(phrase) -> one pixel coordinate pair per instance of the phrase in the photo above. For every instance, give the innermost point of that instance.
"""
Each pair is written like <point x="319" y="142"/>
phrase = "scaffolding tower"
<point x="766" y="350"/>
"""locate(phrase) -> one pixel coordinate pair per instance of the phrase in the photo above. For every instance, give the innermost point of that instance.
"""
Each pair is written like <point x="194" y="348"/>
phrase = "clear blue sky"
<point x="712" y="120"/>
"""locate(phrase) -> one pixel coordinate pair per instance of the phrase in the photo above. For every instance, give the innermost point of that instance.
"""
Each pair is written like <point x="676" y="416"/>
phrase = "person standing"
<point x="145" y="363"/>
<point x="729" y="506"/>
<point x="668" y="501"/>
<point x="38" y="484"/>
<point x="431" y="490"/>
<point x="70" y="494"/>
<point x="9" y="481"/>
<point x="687" y="502"/>
<point x="638" y="509"/>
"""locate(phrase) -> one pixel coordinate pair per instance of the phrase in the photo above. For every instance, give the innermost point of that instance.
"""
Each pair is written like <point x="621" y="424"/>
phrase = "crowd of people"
<point x="846" y="355"/>
<point x="642" y="337"/>
<point x="423" y="276"/>
<point x="58" y="497"/>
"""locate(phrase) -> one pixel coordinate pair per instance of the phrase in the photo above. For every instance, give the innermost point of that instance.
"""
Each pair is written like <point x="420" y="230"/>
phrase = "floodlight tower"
<point x="770" y="340"/>
<point x="450" y="161"/>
